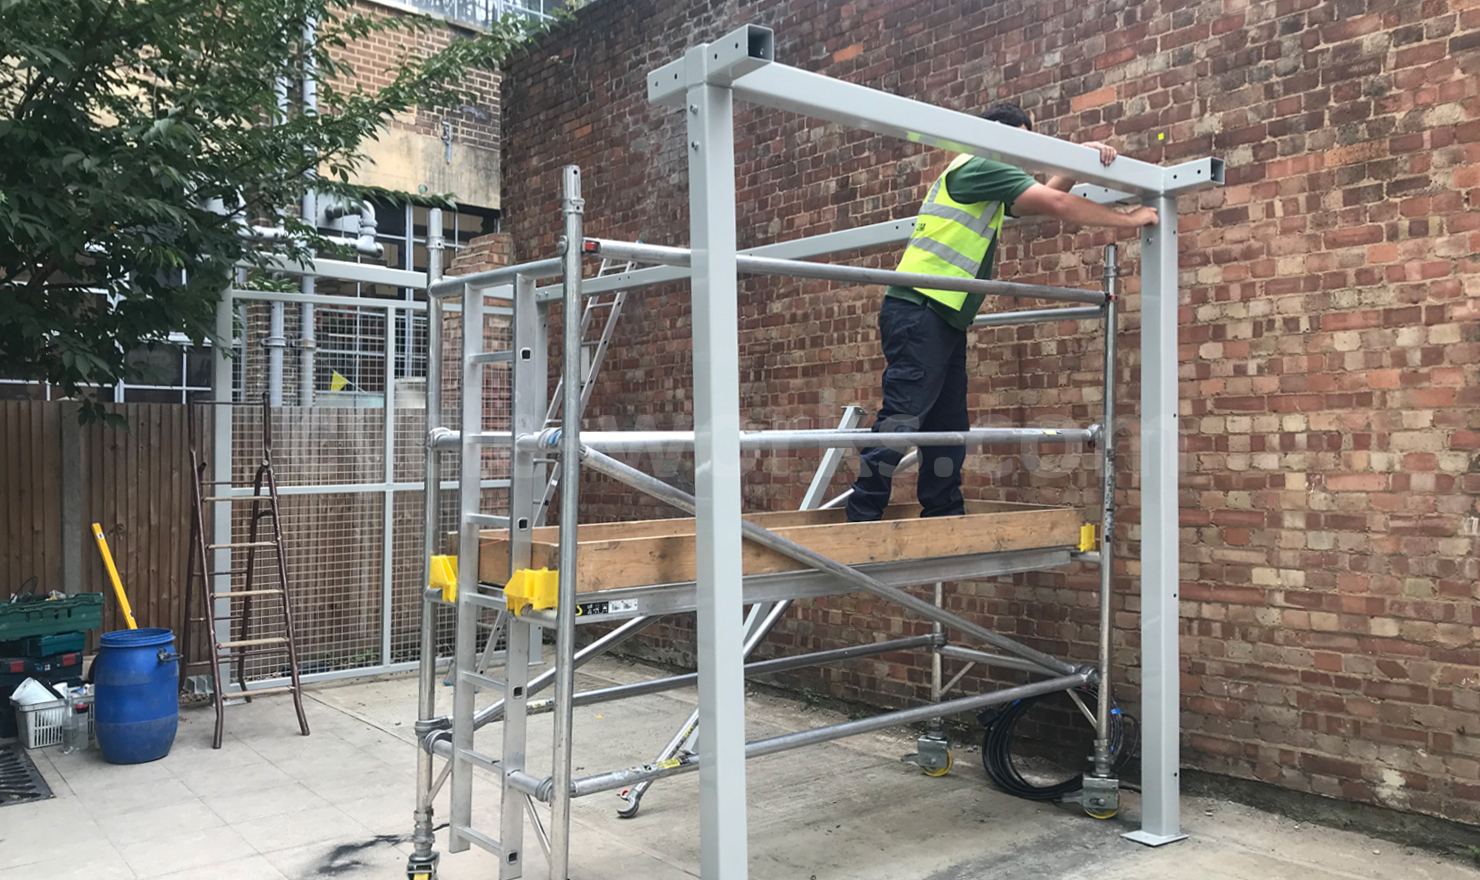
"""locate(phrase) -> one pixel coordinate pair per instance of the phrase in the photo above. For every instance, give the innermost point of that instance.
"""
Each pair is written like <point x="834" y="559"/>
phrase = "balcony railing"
<point x="484" y="12"/>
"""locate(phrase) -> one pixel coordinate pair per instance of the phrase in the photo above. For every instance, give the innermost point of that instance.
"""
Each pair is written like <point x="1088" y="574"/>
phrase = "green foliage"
<point x="119" y="119"/>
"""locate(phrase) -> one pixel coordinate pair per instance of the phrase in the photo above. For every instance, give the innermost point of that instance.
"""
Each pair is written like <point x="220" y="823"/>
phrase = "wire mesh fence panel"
<point x="333" y="547"/>
<point x="311" y="446"/>
<point x="345" y="546"/>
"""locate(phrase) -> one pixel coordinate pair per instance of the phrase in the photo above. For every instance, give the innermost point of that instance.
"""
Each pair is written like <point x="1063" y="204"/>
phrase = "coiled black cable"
<point x="1001" y="723"/>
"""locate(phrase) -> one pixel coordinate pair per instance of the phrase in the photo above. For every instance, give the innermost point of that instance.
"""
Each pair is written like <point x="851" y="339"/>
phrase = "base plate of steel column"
<point x="1149" y="839"/>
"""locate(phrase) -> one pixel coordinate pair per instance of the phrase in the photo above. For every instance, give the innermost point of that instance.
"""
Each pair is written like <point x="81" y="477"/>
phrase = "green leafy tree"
<point x="120" y="121"/>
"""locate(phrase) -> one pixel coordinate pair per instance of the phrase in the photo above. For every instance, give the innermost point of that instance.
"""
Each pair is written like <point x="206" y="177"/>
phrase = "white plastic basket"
<point x="39" y="725"/>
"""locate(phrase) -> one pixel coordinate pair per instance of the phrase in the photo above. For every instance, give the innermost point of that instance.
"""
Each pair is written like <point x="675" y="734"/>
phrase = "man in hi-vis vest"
<point x="924" y="330"/>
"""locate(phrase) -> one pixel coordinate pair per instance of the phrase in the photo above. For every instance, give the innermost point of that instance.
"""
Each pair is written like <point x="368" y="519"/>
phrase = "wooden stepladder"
<point x="215" y="586"/>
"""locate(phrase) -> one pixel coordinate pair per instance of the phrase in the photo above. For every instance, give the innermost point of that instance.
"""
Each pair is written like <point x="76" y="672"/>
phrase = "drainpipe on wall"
<point x="306" y="341"/>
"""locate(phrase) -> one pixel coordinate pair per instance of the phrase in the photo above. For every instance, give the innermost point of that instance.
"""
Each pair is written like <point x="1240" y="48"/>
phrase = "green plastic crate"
<point x="23" y="619"/>
<point x="42" y="646"/>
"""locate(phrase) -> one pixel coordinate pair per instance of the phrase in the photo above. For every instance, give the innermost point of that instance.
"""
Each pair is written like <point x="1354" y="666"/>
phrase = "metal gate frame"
<point x="222" y="454"/>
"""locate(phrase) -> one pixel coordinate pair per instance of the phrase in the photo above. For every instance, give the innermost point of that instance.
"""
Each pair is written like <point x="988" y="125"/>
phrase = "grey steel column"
<point x="424" y="857"/>
<point x="530" y="384"/>
<point x="572" y="206"/>
<point x="1160" y="659"/>
<point x="469" y="495"/>
<point x="1103" y="758"/>
<point x="711" y="149"/>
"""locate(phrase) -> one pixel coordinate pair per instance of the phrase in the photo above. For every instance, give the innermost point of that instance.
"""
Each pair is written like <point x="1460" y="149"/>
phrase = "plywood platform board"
<point x="661" y="551"/>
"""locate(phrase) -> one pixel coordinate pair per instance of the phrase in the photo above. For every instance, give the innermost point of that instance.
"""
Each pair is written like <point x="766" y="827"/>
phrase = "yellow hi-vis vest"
<point x="951" y="238"/>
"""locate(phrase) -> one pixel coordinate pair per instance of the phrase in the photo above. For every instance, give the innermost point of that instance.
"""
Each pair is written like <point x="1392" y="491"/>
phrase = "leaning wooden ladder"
<point x="240" y="643"/>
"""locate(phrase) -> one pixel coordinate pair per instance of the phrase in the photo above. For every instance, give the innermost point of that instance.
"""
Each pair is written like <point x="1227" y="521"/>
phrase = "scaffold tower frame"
<point x="704" y="84"/>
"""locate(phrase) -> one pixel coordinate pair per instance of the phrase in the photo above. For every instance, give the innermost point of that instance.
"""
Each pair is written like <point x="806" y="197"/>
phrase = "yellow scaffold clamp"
<point x="536" y="588"/>
<point x="444" y="577"/>
<point x="1088" y="538"/>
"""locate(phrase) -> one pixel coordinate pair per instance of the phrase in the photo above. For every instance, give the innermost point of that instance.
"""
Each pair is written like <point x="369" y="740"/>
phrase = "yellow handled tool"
<point x="128" y="613"/>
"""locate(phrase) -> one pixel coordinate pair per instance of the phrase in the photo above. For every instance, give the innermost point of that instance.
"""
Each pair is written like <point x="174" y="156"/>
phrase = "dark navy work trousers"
<point x="924" y="390"/>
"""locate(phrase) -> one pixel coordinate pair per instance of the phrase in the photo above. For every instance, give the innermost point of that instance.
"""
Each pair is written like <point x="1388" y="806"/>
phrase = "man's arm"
<point x="1042" y="200"/>
<point x="1063" y="183"/>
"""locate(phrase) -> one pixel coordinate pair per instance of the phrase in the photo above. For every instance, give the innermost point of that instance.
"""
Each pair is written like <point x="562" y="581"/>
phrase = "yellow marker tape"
<point x="444" y="577"/>
<point x="1088" y="539"/>
<point x="669" y="764"/>
<point x="536" y="588"/>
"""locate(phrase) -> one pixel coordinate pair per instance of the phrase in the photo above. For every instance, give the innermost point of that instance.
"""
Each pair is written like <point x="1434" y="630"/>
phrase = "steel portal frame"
<point x="705" y="82"/>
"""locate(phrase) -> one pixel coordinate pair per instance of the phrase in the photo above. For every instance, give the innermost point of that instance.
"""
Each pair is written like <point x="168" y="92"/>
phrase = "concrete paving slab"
<point x="237" y="807"/>
<point x="249" y="868"/>
<point x="199" y="848"/>
<point x="273" y="804"/>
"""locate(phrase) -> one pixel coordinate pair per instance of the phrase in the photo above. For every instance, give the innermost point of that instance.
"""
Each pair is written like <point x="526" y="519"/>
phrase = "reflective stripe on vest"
<point x="951" y="238"/>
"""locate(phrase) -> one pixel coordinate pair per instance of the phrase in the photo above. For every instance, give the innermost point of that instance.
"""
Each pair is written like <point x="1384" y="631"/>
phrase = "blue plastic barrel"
<point x="137" y="698"/>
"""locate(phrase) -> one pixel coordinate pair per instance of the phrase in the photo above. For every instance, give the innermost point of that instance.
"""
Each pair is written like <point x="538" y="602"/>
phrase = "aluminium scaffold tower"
<point x="704" y="83"/>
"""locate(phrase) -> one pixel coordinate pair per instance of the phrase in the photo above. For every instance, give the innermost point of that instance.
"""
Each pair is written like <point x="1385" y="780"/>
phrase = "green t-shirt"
<point x="979" y="180"/>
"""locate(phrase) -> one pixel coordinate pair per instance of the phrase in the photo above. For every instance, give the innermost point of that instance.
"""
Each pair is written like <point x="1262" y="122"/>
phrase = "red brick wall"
<point x="1329" y="347"/>
<point x="476" y="124"/>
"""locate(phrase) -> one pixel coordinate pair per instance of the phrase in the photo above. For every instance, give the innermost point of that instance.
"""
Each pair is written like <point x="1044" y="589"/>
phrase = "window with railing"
<point x="485" y="12"/>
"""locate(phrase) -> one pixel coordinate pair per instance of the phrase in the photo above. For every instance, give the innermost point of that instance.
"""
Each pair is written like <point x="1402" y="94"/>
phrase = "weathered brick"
<point x="1328" y="351"/>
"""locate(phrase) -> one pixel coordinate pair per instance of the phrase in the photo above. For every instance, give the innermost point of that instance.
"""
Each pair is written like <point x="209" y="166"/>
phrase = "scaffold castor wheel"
<point x="1103" y="813"/>
<point x="938" y="772"/>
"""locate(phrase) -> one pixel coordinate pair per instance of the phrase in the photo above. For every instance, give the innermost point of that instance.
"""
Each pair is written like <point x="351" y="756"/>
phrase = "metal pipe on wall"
<point x="306" y="340"/>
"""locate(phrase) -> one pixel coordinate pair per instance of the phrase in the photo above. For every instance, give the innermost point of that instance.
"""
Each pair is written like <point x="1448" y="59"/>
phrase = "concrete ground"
<point x="272" y="804"/>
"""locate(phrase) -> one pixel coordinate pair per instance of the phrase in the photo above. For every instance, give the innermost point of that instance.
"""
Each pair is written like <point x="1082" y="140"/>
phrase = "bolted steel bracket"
<point x="1100" y="796"/>
<point x="932" y="753"/>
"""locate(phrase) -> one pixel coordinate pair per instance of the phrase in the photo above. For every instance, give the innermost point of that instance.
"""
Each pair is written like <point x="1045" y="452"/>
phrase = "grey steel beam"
<point x="820" y="97"/>
<point x="1160" y="658"/>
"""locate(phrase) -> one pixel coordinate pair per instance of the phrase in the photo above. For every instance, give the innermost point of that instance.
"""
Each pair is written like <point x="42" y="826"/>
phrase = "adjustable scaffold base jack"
<point x="422" y="867"/>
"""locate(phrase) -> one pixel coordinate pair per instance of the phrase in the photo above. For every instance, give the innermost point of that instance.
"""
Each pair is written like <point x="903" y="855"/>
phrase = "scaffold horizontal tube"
<point x="787" y="741"/>
<point x="452" y="285"/>
<point x="956" y="652"/>
<point x="655" y="487"/>
<point x="761" y="667"/>
<point x="677" y="441"/>
<point x="1037" y="316"/>
<point x="751" y="265"/>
